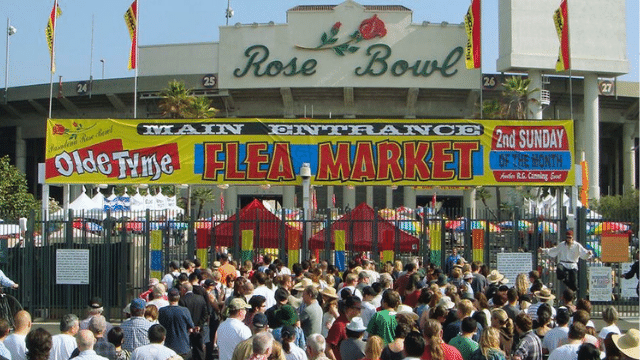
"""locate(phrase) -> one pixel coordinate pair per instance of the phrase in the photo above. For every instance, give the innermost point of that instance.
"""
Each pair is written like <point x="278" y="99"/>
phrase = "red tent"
<point x="361" y="221"/>
<point x="267" y="228"/>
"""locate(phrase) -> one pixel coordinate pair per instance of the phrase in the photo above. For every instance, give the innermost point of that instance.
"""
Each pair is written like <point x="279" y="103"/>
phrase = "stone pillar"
<point x="534" y="110"/>
<point x="629" y="134"/>
<point x="469" y="200"/>
<point x="409" y="197"/>
<point x="231" y="198"/>
<point x="369" y="195"/>
<point x="330" y="193"/>
<point x="389" y="197"/>
<point x="348" y="197"/>
<point x="288" y="197"/>
<point x="21" y="151"/>
<point x="591" y="133"/>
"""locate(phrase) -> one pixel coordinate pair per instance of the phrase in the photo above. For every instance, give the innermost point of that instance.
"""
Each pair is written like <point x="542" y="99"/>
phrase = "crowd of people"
<point x="263" y="310"/>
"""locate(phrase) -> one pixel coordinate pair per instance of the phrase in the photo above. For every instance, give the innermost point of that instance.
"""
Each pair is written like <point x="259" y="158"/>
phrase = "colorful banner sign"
<point x="339" y="152"/>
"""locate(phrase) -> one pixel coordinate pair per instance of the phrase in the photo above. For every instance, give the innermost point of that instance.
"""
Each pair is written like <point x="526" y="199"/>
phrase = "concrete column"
<point x="592" y="133"/>
<point x="369" y="195"/>
<point x="288" y="197"/>
<point x="409" y="197"/>
<point x="389" y="197"/>
<point x="629" y="134"/>
<point x="348" y="197"/>
<point x="21" y="151"/>
<point x="469" y="200"/>
<point x="534" y="107"/>
<point x="231" y="198"/>
<point x="330" y="193"/>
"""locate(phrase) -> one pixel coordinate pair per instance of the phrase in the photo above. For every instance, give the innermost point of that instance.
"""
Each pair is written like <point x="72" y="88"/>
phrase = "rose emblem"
<point x="372" y="27"/>
<point x="58" y="129"/>
<point x="368" y="29"/>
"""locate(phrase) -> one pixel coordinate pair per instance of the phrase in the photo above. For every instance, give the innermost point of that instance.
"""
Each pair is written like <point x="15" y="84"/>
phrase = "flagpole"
<point x="91" y="57"/>
<point x="481" y="87"/>
<point x="135" y="81"/>
<point x="53" y="53"/>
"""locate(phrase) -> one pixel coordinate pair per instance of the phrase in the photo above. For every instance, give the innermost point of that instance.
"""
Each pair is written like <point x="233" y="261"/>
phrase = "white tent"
<point x="82" y="205"/>
<point x="137" y="202"/>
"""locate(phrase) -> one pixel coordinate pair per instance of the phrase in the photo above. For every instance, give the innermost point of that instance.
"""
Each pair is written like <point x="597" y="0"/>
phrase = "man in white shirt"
<point x="16" y="341"/>
<point x="569" y="351"/>
<point x="86" y="340"/>
<point x="558" y="335"/>
<point x="5" y="328"/>
<point x="64" y="343"/>
<point x="568" y="253"/>
<point x="156" y="349"/>
<point x="261" y="288"/>
<point x="233" y="330"/>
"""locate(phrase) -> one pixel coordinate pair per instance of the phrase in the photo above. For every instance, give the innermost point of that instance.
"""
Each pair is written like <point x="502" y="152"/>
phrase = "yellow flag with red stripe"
<point x="561" y="19"/>
<point x="131" y="19"/>
<point x="50" y="32"/>
<point x="472" y="53"/>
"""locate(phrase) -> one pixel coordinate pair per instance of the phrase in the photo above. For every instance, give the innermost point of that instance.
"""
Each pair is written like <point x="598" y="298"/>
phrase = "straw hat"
<point x="446" y="302"/>
<point x="407" y="310"/>
<point x="544" y="294"/>
<point x="495" y="277"/>
<point x="629" y="343"/>
<point x="329" y="291"/>
<point x="303" y="284"/>
<point x="468" y="276"/>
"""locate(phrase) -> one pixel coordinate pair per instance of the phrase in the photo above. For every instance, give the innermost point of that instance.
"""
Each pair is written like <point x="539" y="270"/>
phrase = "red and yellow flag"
<point x="561" y="19"/>
<point x="584" y="191"/>
<point x="50" y="32"/>
<point x="131" y="18"/>
<point x="472" y="53"/>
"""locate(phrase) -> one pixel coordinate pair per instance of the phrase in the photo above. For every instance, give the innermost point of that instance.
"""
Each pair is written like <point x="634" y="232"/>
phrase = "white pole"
<point x="10" y="31"/>
<point x="135" y="82"/>
<point x="53" y="53"/>
<point x="91" y="57"/>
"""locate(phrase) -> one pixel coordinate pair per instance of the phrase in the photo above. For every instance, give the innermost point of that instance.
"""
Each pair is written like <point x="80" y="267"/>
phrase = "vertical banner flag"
<point x="472" y="53"/>
<point x="131" y="18"/>
<point x="221" y="200"/>
<point x="584" y="191"/>
<point x="561" y="19"/>
<point x="433" y="201"/>
<point x="50" y="32"/>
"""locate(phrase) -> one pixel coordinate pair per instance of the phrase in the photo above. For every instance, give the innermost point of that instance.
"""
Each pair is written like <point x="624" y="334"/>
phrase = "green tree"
<point x="178" y="102"/>
<point x="623" y="207"/>
<point x="200" y="108"/>
<point x="15" y="198"/>
<point x="201" y="196"/>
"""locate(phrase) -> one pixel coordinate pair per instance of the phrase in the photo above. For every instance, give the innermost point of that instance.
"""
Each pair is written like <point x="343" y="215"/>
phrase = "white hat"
<point x="356" y="324"/>
<point x="446" y="302"/>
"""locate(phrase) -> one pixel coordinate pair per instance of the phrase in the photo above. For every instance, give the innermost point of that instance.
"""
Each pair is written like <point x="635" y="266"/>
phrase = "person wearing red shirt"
<point x="338" y="331"/>
<point x="435" y="348"/>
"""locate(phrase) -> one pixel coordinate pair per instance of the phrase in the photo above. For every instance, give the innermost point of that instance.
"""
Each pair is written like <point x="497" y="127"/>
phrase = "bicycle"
<point x="9" y="306"/>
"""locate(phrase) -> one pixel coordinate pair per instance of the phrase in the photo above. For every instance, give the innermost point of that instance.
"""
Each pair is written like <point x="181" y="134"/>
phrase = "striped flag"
<point x="131" y="19"/>
<point x="561" y="19"/>
<point x="50" y="32"/>
<point x="433" y="201"/>
<point x="472" y="52"/>
<point x="221" y="200"/>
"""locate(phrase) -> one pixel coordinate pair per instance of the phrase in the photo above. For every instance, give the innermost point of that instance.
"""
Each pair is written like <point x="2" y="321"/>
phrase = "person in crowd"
<point x="535" y="281"/>
<point x="136" y="328"/>
<point x="588" y="352"/>
<point x="569" y="351"/>
<point x="316" y="346"/>
<point x="452" y="260"/>
<point x="330" y="309"/>
<point x="199" y="310"/>
<point x="368" y="309"/>
<point x="145" y="295"/>
<point x="63" y="344"/>
<point x="544" y="321"/>
<point x="171" y="278"/>
<point x="264" y="347"/>
<point x="158" y="296"/>
<point x="258" y="305"/>
<point x="628" y="344"/>
<point x="373" y="348"/>
<point x="101" y="346"/>
<point x="400" y="285"/>
<point x="395" y="349"/>
<point x="226" y="269"/>
<point x="94" y="308"/>
<point x="261" y="278"/>
<point x="489" y="348"/>
<point x="86" y="340"/>
<point x="495" y="279"/>
<point x="177" y="322"/>
<point x="412" y="290"/>
<point x="291" y="350"/>
<point x="244" y="349"/>
<point x="463" y="341"/>
<point x="311" y="315"/>
<point x="610" y="317"/>
<point x="426" y="294"/>
<point x="151" y="313"/>
<point x="634" y="270"/>
<point x="16" y="341"/>
<point x="558" y="335"/>
<point x="338" y="332"/>
<point x="288" y="316"/>
<point x="414" y="345"/>
<point x="116" y="337"/>
<point x="511" y="307"/>
<point x="464" y="309"/>
<point x="38" y="344"/>
<point x="568" y="253"/>
<point x="383" y="323"/>
<point x="5" y="329"/>
<point x="583" y="317"/>
<point x="567" y="299"/>
<point x="282" y="298"/>
<point x="233" y="331"/>
<point x="479" y="282"/>
<point x="544" y="296"/>
<point x="529" y="346"/>
<point x="435" y="348"/>
<point x="156" y="349"/>
<point x="522" y="285"/>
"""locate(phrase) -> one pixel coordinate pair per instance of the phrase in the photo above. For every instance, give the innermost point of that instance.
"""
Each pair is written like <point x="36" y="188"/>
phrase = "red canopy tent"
<point x="358" y="227"/>
<point x="267" y="228"/>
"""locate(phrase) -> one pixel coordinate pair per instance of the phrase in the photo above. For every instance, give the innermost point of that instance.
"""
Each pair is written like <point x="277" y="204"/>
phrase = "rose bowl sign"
<point x="348" y="47"/>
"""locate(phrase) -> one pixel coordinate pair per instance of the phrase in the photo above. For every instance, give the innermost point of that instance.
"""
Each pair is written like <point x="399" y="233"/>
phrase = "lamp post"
<point x="10" y="31"/>
<point x="229" y="13"/>
<point x="102" y="61"/>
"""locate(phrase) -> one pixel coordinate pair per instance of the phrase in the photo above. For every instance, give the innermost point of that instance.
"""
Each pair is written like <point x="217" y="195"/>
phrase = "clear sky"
<point x="188" y="21"/>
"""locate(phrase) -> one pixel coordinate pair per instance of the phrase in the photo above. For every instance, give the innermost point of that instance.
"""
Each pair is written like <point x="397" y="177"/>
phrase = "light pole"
<point x="10" y="31"/>
<point x="229" y="13"/>
<point x="102" y="61"/>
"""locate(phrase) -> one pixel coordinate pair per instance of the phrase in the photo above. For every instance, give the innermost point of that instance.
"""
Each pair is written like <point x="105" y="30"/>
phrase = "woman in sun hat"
<point x="543" y="296"/>
<point x="628" y="344"/>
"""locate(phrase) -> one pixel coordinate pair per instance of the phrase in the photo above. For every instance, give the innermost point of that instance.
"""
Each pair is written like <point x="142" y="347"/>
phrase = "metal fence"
<point x="125" y="250"/>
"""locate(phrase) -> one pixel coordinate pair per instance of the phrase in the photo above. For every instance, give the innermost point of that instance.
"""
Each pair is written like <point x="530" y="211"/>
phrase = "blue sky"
<point x="187" y="21"/>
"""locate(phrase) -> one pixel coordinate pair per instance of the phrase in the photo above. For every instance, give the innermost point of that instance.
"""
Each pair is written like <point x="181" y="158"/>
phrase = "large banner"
<point x="339" y="152"/>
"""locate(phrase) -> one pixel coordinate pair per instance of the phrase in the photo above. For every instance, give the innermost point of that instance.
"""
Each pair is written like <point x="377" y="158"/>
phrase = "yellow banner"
<point x="425" y="152"/>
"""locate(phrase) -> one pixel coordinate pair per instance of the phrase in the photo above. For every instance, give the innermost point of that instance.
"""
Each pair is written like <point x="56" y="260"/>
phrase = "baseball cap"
<point x="238" y="304"/>
<point x="95" y="302"/>
<point x="138" y="304"/>
<point x="260" y="321"/>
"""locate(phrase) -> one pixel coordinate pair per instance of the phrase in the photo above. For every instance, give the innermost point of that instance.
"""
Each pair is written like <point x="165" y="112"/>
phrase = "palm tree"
<point x="176" y="99"/>
<point x="200" y="108"/>
<point x="201" y="196"/>
<point x="483" y="195"/>
<point x="516" y="96"/>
